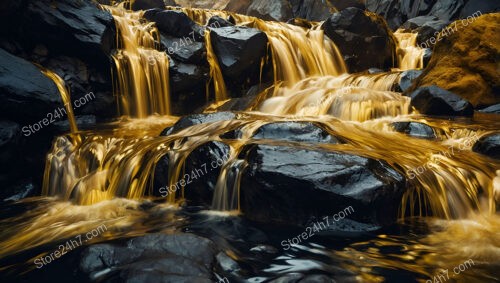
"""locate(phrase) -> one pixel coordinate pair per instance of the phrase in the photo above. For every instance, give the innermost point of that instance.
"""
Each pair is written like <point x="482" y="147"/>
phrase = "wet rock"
<point x="397" y="12"/>
<point x="295" y="132"/>
<point x="202" y="168"/>
<point x="188" y="87"/>
<point x="432" y="100"/>
<point x="407" y="78"/>
<point x="278" y="10"/>
<point x="288" y="278"/>
<point x="344" y="4"/>
<point x="21" y="84"/>
<point x="415" y="129"/>
<point x="239" y="50"/>
<point x="219" y="22"/>
<point x="363" y="39"/>
<point x="447" y="9"/>
<point x="77" y="28"/>
<point x="175" y="23"/>
<point x="185" y="50"/>
<point x="196" y="119"/>
<point x="10" y="135"/>
<point x="488" y="145"/>
<point x="277" y="180"/>
<point x="464" y="61"/>
<point x="159" y="257"/>
<point x="161" y="178"/>
<point x="317" y="278"/>
<point x="427" y="27"/>
<point x="18" y="191"/>
<point x="312" y="10"/>
<point x="494" y="109"/>
<point x="427" y="56"/>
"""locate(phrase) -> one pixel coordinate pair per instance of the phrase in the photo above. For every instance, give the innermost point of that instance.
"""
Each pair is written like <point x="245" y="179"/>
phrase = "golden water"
<point x="65" y="96"/>
<point x="142" y="74"/>
<point x="410" y="55"/>
<point x="104" y="177"/>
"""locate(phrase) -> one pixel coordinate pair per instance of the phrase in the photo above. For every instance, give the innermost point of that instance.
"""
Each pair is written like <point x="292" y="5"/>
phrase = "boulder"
<point x="407" y="78"/>
<point x="147" y="4"/>
<point x="447" y="10"/>
<point x="278" y="10"/>
<point x="484" y="6"/>
<point x="202" y="169"/>
<point x="363" y="39"/>
<point x="184" y="50"/>
<point x="21" y="84"/>
<point x="312" y="10"/>
<point x="188" y="87"/>
<point x="427" y="27"/>
<point x="488" y="145"/>
<point x="294" y="131"/>
<point x="239" y="50"/>
<point x="464" y="61"/>
<point x="76" y="28"/>
<point x="285" y="184"/>
<point x="176" y="24"/>
<point x="344" y="4"/>
<point x="397" y="12"/>
<point x="435" y="101"/>
<point x="196" y="119"/>
<point x="217" y="21"/>
<point x="415" y="129"/>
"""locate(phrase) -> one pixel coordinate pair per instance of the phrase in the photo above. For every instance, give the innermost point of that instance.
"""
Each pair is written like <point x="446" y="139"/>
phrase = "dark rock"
<point x="218" y="22"/>
<point x="432" y="100"/>
<point x="312" y="10"/>
<point x="196" y="119"/>
<point x="78" y="28"/>
<point x="295" y="132"/>
<point x="21" y="84"/>
<point x="277" y="179"/>
<point x="186" y="76"/>
<point x="239" y="50"/>
<point x="205" y="163"/>
<point x="494" y="109"/>
<point x="175" y="23"/>
<point x="344" y="4"/>
<point x="161" y="178"/>
<point x="185" y="50"/>
<point x="407" y="78"/>
<point x="152" y="258"/>
<point x="300" y="23"/>
<point x="447" y="10"/>
<point x="483" y="6"/>
<point x="488" y="145"/>
<point x="18" y="191"/>
<point x="397" y="12"/>
<point x="10" y="135"/>
<point x="427" y="27"/>
<point x="288" y="278"/>
<point x="427" y="56"/>
<point x="415" y="129"/>
<point x="364" y="40"/>
<point x="375" y="71"/>
<point x="318" y="278"/>
<point x="278" y="10"/>
<point x="147" y="4"/>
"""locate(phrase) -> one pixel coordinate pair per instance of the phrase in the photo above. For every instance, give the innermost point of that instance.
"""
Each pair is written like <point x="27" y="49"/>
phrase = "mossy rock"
<point x="466" y="60"/>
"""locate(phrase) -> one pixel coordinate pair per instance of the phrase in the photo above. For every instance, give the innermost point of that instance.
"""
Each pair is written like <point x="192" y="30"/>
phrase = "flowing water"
<point x="106" y="176"/>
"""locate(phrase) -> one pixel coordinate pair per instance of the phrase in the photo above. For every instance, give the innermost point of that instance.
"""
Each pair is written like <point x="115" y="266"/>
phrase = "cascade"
<point x="410" y="56"/>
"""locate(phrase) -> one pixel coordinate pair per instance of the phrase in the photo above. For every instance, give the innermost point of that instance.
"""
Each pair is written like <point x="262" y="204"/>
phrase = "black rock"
<point x="363" y="40"/>
<point x="291" y="185"/>
<point x="147" y="4"/>
<point x="175" y="23"/>
<point x="427" y="56"/>
<point x="202" y="168"/>
<point x="10" y="135"/>
<point x="294" y="131"/>
<point x="447" y="10"/>
<point x="494" y="109"/>
<point x="483" y="6"/>
<point x="407" y="78"/>
<point x="18" y="191"/>
<point x="196" y="119"/>
<point x="218" y="22"/>
<point x="488" y="145"/>
<point x="21" y="84"/>
<point x="185" y="50"/>
<point x="415" y="129"/>
<point x="277" y="10"/>
<point x="77" y="28"/>
<point x="397" y="12"/>
<point x="432" y="100"/>
<point x="186" y="76"/>
<point x="239" y="50"/>
<point x="427" y="27"/>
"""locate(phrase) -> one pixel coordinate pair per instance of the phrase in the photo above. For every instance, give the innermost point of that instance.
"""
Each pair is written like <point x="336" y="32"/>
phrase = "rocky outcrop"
<point x="239" y="51"/>
<point x="277" y="179"/>
<point x="363" y="39"/>
<point x="294" y="131"/>
<point x="464" y="61"/>
<point x="407" y="78"/>
<point x="196" y="119"/>
<point x="313" y="10"/>
<point x="432" y="100"/>
<point x="427" y="27"/>
<point x="488" y="145"/>
<point x="175" y="23"/>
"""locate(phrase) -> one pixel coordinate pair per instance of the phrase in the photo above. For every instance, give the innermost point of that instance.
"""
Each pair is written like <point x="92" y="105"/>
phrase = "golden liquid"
<point x="142" y="74"/>
<point x="410" y="56"/>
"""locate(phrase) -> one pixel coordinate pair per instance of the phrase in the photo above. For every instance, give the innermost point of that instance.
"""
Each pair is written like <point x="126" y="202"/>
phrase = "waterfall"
<point x="410" y="55"/>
